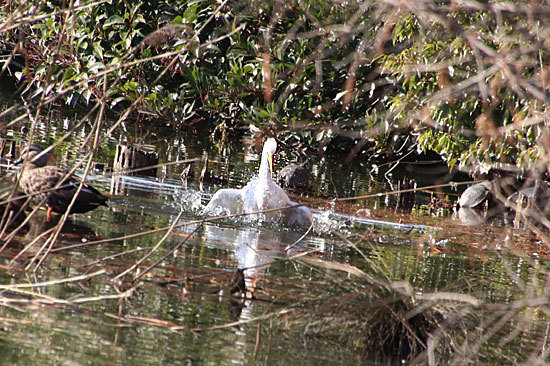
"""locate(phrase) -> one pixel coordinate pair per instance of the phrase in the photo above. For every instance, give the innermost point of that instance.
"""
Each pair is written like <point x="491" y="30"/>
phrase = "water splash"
<point x="326" y="223"/>
<point x="189" y="200"/>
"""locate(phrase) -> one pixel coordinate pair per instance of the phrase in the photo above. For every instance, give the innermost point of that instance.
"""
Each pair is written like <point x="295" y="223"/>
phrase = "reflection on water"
<point x="255" y="247"/>
<point x="471" y="217"/>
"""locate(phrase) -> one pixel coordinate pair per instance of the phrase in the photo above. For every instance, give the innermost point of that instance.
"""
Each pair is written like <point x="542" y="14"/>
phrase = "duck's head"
<point x="33" y="155"/>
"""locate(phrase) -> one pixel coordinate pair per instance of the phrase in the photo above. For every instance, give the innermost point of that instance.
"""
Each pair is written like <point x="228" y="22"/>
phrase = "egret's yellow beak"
<point x="270" y="161"/>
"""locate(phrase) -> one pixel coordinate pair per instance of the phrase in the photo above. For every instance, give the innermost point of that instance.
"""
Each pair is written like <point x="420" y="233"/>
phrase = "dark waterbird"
<point x="53" y="185"/>
<point x="294" y="176"/>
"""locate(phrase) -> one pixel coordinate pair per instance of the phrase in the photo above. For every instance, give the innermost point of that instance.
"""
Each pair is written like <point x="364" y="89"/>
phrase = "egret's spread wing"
<point x="298" y="216"/>
<point x="227" y="201"/>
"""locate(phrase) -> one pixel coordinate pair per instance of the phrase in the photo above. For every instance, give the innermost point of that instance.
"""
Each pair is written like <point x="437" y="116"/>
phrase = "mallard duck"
<point x="40" y="181"/>
<point x="261" y="193"/>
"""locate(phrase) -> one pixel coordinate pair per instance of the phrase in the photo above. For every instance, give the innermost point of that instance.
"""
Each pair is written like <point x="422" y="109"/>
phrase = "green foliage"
<point x="450" y="59"/>
<point x="358" y="70"/>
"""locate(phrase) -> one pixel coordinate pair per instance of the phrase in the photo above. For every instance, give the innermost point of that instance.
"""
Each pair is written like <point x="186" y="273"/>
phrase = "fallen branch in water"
<point x="54" y="282"/>
<point x="246" y="321"/>
<point x="146" y="320"/>
<point x="35" y="297"/>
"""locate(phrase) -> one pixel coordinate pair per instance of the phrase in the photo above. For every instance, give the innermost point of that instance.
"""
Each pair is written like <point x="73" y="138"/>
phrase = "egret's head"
<point x="270" y="146"/>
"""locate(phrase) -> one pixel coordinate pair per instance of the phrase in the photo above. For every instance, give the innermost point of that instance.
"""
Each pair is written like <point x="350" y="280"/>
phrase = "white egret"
<point x="261" y="193"/>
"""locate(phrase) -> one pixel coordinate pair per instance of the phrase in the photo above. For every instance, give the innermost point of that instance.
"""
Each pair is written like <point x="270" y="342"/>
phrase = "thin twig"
<point x="166" y="235"/>
<point x="288" y="247"/>
<point x="53" y="282"/>
<point x="145" y="271"/>
<point x="246" y="321"/>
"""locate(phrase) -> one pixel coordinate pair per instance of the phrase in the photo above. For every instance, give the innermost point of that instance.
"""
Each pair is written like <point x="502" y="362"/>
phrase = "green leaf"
<point x="264" y="113"/>
<point x="115" y="19"/>
<point x="69" y="74"/>
<point x="98" y="49"/>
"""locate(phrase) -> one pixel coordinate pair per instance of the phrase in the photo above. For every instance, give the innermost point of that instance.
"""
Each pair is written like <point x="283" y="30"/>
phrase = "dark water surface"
<point x="429" y="247"/>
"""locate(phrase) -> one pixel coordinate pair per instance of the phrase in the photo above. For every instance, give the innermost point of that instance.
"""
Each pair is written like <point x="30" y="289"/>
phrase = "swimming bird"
<point x="261" y="193"/>
<point x="54" y="186"/>
<point x="294" y="176"/>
